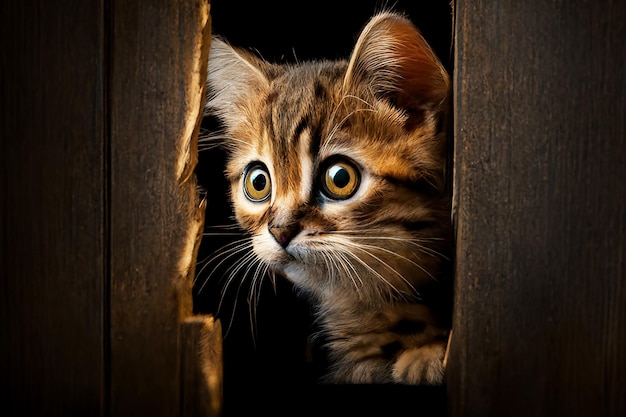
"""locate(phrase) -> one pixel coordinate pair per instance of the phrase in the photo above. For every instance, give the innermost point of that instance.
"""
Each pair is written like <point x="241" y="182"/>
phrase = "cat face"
<point x="336" y="168"/>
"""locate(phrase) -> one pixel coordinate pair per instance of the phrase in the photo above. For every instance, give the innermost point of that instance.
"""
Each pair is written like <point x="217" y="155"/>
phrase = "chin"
<point x="296" y="272"/>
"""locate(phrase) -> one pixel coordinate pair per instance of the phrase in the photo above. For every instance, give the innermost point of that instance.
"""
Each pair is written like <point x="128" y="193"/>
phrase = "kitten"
<point x="337" y="173"/>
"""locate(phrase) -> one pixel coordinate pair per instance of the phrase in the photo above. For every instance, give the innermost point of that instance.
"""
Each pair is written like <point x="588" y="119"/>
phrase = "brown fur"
<point x="372" y="262"/>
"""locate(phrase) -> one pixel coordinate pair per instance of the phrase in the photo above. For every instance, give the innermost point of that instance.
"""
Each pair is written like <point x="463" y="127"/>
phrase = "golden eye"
<point x="256" y="183"/>
<point x="340" y="180"/>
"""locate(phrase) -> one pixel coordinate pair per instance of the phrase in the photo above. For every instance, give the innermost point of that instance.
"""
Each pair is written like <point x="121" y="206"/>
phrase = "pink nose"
<point x="284" y="233"/>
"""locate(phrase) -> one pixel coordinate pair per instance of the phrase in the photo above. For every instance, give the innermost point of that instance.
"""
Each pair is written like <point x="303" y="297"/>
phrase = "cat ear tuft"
<point x="233" y="74"/>
<point x="399" y="64"/>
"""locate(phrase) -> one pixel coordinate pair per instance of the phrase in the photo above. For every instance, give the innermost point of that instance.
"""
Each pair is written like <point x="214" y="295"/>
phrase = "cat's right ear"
<point x="233" y="76"/>
<point x="397" y="62"/>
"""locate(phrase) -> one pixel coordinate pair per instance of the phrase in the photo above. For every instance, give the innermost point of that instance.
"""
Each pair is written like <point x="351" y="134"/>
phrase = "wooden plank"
<point x="202" y="367"/>
<point x="159" y="59"/>
<point x="52" y="263"/>
<point x="540" y="314"/>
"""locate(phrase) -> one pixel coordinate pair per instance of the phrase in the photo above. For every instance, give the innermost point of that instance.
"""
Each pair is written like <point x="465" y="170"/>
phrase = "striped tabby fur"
<point x="337" y="173"/>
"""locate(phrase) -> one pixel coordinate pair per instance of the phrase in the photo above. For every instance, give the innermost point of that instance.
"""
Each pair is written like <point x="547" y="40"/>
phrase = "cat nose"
<point x="283" y="234"/>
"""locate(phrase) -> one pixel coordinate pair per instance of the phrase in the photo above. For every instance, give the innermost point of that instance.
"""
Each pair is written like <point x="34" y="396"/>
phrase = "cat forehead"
<point x="306" y="87"/>
<point x="301" y="104"/>
<point x="305" y="74"/>
<point x="310" y="98"/>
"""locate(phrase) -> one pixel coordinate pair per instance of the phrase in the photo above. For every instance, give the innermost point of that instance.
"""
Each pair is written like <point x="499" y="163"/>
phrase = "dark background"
<point x="266" y="359"/>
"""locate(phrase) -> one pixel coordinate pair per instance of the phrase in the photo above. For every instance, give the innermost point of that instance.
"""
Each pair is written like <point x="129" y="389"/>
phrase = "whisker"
<point x="335" y="128"/>
<point x="221" y="251"/>
<point x="231" y="226"/>
<point x="350" y="270"/>
<point x="255" y="296"/>
<point x="272" y="276"/>
<point x="226" y="253"/>
<point x="367" y="249"/>
<point x="347" y="244"/>
<point x="390" y="286"/>
<point x="412" y="241"/>
<point x="244" y="267"/>
<point x="246" y="262"/>
<point x="401" y="257"/>
<point x="208" y="140"/>
<point x="221" y="234"/>
<point x="232" y="274"/>
<point x="341" y="102"/>
<point x="333" y="114"/>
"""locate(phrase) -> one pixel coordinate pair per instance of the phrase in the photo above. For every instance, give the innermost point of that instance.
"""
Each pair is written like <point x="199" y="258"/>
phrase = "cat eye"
<point x="256" y="183"/>
<point x="340" y="180"/>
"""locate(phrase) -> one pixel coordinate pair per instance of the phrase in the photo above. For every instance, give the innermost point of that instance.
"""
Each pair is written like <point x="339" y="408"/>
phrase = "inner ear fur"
<point x="399" y="65"/>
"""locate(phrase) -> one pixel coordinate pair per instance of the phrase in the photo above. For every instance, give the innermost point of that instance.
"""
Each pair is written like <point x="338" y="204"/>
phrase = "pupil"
<point x="259" y="181"/>
<point x="340" y="176"/>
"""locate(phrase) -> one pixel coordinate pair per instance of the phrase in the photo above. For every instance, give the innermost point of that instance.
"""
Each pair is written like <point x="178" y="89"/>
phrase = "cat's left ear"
<point x="233" y="76"/>
<point x="398" y="63"/>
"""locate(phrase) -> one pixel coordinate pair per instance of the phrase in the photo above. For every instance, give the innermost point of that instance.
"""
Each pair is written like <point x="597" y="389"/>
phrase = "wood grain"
<point x="202" y="367"/>
<point x="100" y="216"/>
<point x="52" y="256"/>
<point x="158" y="73"/>
<point x="540" y="181"/>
